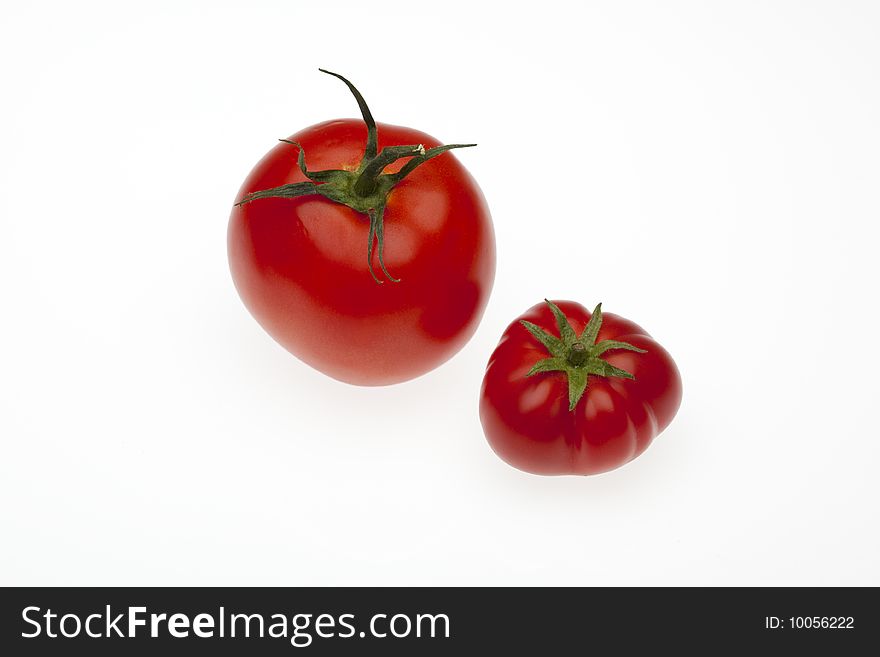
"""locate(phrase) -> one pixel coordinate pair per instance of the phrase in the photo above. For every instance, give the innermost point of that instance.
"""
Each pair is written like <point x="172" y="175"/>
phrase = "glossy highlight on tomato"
<point x="309" y="270"/>
<point x="569" y="391"/>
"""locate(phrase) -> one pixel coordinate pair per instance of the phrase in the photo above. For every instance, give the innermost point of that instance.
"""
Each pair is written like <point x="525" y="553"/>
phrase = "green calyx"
<point x="578" y="356"/>
<point x="365" y="189"/>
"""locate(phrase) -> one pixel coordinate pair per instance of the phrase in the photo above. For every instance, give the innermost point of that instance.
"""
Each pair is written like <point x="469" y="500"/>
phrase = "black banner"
<point x="441" y="621"/>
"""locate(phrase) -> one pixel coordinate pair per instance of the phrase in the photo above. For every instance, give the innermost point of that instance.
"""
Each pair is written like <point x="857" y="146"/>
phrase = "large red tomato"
<point x="568" y="391"/>
<point x="359" y="256"/>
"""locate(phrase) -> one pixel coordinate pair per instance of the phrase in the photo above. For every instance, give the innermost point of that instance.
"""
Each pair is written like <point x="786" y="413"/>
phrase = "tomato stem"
<point x="366" y="189"/>
<point x="368" y="181"/>
<point x="577" y="355"/>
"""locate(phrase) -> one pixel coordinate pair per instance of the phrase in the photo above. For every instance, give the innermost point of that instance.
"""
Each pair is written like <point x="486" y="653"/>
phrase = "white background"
<point x="709" y="170"/>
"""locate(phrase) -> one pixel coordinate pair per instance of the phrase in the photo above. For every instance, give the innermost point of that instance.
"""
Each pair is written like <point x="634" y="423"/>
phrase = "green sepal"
<point x="591" y="330"/>
<point x="548" y="365"/>
<point x="365" y="189"/>
<point x="604" y="368"/>
<point x="426" y="155"/>
<point x="606" y="345"/>
<point x="577" y="384"/>
<point x="330" y="175"/>
<point x="292" y="190"/>
<point x="370" y="241"/>
<point x="565" y="331"/>
<point x="577" y="357"/>
<point x="332" y="193"/>
<point x="553" y="345"/>
<point x="377" y="222"/>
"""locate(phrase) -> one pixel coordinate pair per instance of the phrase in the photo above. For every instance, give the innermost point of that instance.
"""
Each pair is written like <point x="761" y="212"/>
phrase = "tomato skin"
<point x="526" y="419"/>
<point x="300" y="265"/>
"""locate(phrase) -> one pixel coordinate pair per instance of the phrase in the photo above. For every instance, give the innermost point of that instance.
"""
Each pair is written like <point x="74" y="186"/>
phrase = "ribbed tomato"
<point x="568" y="391"/>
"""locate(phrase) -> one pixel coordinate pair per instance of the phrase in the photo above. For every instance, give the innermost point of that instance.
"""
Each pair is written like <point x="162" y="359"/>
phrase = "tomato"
<point x="568" y="391"/>
<point x="357" y="259"/>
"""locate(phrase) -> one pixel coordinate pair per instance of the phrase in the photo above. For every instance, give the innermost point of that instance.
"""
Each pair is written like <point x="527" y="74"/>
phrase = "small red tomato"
<point x="357" y="259"/>
<point x="584" y="401"/>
